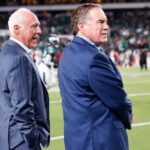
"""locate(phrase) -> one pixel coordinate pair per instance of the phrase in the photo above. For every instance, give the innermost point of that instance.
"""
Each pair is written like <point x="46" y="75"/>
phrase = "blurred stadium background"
<point x="129" y="40"/>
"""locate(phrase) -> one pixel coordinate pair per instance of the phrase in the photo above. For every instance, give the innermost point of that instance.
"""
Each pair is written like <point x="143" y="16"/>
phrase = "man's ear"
<point x="16" y="29"/>
<point x="81" y="26"/>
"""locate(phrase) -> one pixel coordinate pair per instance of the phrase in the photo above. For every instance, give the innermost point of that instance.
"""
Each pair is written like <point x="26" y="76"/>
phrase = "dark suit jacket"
<point x="95" y="105"/>
<point x="24" y="102"/>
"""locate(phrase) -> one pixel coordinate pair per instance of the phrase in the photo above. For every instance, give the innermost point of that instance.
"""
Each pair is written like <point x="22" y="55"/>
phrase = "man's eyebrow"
<point x="103" y="20"/>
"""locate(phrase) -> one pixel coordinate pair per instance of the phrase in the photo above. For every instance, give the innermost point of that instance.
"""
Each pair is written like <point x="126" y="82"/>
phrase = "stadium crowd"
<point x="129" y="34"/>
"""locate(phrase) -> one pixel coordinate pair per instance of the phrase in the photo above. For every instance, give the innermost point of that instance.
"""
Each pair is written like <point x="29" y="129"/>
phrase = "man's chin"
<point x="32" y="46"/>
<point x="103" y="41"/>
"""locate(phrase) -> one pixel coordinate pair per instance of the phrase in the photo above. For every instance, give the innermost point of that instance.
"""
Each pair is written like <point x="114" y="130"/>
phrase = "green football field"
<point x="137" y="85"/>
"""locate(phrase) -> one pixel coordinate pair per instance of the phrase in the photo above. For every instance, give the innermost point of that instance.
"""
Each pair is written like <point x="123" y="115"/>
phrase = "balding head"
<point x="24" y="26"/>
<point x="18" y="18"/>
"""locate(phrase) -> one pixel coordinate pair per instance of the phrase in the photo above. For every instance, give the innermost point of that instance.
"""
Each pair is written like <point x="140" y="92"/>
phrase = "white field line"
<point x="139" y="82"/>
<point x="55" y="102"/>
<point x="130" y="95"/>
<point x="141" y="124"/>
<point x="134" y="125"/>
<point x="56" y="89"/>
<point x="139" y="94"/>
<point x="135" y="74"/>
<point x="57" y="138"/>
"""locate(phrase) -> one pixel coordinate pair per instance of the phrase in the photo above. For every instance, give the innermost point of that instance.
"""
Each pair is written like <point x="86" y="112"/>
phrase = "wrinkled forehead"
<point x="35" y="18"/>
<point x="98" y="13"/>
<point x="31" y="18"/>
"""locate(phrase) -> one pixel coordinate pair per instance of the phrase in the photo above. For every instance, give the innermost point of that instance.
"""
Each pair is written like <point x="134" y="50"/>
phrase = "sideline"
<point x="130" y="95"/>
<point x="57" y="138"/>
<point x="139" y="94"/>
<point x="135" y="83"/>
<point x="141" y="124"/>
<point x="134" y="125"/>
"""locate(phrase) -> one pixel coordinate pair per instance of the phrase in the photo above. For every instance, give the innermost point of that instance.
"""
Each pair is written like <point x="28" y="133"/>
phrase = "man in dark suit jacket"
<point x="96" y="109"/>
<point x="24" y="101"/>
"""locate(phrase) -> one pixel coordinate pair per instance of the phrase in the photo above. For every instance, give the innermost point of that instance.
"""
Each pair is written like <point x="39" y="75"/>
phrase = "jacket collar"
<point x="86" y="41"/>
<point x="81" y="40"/>
<point x="17" y="43"/>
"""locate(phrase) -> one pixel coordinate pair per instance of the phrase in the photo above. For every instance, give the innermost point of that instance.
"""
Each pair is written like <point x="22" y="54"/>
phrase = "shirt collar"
<point x="85" y="38"/>
<point x="21" y="44"/>
<point x="89" y="41"/>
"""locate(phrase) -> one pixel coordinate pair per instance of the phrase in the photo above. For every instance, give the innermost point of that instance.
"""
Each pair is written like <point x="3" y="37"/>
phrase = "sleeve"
<point x="19" y="81"/>
<point x="108" y="86"/>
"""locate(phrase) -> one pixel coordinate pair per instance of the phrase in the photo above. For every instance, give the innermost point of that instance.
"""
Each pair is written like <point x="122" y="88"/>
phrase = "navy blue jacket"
<point x="95" y="105"/>
<point x="24" y="102"/>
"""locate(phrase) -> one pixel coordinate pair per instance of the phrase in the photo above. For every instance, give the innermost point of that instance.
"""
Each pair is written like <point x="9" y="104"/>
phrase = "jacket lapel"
<point x="24" y="52"/>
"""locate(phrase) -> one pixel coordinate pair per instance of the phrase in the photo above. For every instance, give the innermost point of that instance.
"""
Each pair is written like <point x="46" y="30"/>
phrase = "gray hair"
<point x="81" y="14"/>
<point x="17" y="18"/>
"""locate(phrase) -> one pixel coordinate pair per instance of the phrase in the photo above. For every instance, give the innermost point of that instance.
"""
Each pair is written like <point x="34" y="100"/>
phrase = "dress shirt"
<point x="22" y="45"/>
<point x="89" y="41"/>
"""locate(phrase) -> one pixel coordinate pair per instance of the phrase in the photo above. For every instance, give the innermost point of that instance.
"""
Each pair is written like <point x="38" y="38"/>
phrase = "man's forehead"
<point x="97" y="13"/>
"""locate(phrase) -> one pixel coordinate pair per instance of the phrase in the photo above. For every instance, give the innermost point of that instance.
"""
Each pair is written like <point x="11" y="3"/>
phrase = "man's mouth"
<point x="104" y="34"/>
<point x="35" y="38"/>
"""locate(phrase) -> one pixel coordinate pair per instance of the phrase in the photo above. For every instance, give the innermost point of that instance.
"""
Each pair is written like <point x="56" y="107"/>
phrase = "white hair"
<point x="17" y="18"/>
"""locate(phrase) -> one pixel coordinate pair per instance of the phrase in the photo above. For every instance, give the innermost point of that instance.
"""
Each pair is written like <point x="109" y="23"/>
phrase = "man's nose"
<point x="106" y="26"/>
<point x="39" y="31"/>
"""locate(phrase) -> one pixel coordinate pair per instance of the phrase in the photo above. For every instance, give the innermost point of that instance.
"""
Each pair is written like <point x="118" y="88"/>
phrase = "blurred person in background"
<point x="45" y="68"/>
<point x="96" y="109"/>
<point x="58" y="56"/>
<point x="24" y="104"/>
<point x="143" y="59"/>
